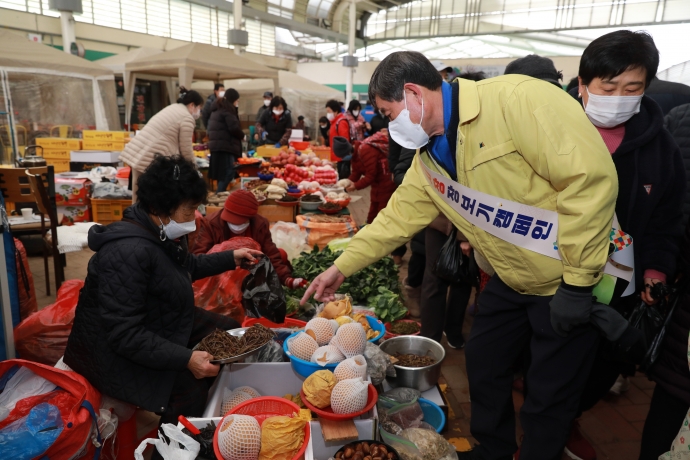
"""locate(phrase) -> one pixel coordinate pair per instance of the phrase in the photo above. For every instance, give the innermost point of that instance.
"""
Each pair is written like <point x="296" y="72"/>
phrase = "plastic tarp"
<point x="195" y="61"/>
<point x="303" y="96"/>
<point x="43" y="86"/>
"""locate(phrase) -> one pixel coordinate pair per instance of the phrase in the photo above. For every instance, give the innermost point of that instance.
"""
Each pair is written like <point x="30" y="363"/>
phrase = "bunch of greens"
<point x="387" y="305"/>
<point x="360" y="286"/>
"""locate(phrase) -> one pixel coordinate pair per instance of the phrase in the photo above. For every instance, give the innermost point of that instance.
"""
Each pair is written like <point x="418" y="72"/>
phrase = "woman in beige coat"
<point x="169" y="132"/>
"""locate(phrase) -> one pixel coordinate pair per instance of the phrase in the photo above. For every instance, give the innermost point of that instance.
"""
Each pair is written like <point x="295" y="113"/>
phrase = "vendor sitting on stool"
<point x="239" y="218"/>
<point x="135" y="322"/>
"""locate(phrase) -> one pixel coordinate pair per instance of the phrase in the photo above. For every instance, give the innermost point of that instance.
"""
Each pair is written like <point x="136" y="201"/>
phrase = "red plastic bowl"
<point x="327" y="414"/>
<point x="299" y="145"/>
<point x="261" y="409"/>
<point x="296" y="195"/>
<point x="289" y="323"/>
<point x="390" y="335"/>
<point x="287" y="204"/>
<point x="330" y="211"/>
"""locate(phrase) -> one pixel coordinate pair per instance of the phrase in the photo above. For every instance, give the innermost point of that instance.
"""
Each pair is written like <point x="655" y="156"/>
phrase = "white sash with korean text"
<point x="524" y="226"/>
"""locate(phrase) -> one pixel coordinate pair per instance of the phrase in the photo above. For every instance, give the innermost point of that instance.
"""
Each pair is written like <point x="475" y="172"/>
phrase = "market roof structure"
<point x="117" y="62"/>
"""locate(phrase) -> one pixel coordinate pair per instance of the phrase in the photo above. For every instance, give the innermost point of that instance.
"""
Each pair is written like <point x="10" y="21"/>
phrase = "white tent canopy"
<point x="43" y="86"/>
<point x="117" y="62"/>
<point x="195" y="61"/>
<point x="303" y="96"/>
<point x="679" y="73"/>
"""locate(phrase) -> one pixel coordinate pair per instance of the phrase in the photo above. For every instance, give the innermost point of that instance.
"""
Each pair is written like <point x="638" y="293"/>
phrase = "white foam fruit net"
<point x="350" y="339"/>
<point x="239" y="438"/>
<point x="232" y="399"/>
<point x="349" y="396"/>
<point x="334" y="325"/>
<point x="351" y="368"/>
<point x="328" y="354"/>
<point x="250" y="391"/>
<point x="320" y="329"/>
<point x="302" y="346"/>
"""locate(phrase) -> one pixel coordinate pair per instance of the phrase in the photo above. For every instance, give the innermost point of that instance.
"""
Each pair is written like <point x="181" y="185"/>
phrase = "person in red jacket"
<point x="239" y="218"/>
<point x="370" y="168"/>
<point x="339" y="124"/>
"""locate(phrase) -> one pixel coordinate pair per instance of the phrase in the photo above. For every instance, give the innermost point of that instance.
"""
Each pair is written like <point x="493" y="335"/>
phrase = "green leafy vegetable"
<point x="361" y="285"/>
<point x="387" y="305"/>
<point x="292" y="304"/>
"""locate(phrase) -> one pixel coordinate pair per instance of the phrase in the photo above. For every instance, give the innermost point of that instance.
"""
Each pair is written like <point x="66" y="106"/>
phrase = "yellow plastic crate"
<point x="117" y="136"/>
<point x="59" y="143"/>
<point x="108" y="211"/>
<point x="103" y="145"/>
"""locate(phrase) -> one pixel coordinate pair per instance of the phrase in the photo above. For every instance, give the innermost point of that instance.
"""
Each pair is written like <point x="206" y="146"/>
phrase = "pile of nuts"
<point x="365" y="451"/>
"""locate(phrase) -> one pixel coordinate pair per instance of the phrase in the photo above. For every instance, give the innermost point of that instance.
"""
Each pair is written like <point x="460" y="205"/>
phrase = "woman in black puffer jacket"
<point x="671" y="399"/>
<point x="224" y="139"/>
<point x="136" y="321"/>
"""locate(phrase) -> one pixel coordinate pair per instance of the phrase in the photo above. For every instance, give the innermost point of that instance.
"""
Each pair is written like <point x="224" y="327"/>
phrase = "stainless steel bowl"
<point x="420" y="378"/>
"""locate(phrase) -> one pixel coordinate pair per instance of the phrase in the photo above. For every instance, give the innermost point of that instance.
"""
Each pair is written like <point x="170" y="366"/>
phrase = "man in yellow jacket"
<point x="502" y="157"/>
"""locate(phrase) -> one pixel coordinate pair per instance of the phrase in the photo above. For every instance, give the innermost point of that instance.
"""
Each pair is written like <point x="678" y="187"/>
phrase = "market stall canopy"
<point x="17" y="52"/>
<point x="117" y="62"/>
<point x="42" y="87"/>
<point x="195" y="61"/>
<point x="679" y="73"/>
<point x="303" y="96"/>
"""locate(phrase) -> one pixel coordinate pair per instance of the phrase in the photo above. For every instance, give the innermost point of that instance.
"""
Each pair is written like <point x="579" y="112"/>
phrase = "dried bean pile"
<point x="222" y="345"/>
<point x="410" y="360"/>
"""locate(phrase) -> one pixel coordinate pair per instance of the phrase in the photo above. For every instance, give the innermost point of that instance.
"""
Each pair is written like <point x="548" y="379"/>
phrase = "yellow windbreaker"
<point x="526" y="141"/>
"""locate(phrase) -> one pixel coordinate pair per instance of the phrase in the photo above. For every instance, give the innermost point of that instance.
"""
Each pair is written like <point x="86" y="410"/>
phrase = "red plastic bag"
<point x="222" y="293"/>
<point x="79" y="418"/>
<point x="42" y="337"/>
<point x="27" y="292"/>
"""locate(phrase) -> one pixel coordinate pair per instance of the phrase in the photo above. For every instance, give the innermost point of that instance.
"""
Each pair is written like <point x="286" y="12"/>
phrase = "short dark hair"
<point x="276" y="101"/>
<point x="228" y="99"/>
<point x="612" y="54"/>
<point x="354" y="105"/>
<point x="218" y="86"/>
<point x="333" y="105"/>
<point x="323" y="120"/>
<point x="300" y="118"/>
<point x="160" y="193"/>
<point x="189" y="97"/>
<point x="535" y="66"/>
<point x="400" y="68"/>
<point x="474" y="76"/>
<point x="573" y="83"/>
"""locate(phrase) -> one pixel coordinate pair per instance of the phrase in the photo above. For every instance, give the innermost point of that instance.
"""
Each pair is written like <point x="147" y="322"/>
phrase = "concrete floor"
<point x="613" y="426"/>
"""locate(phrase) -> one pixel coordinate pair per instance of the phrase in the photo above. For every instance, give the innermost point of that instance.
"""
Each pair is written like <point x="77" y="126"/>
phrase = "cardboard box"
<point x="59" y="166"/>
<point x="321" y="450"/>
<point x="80" y="166"/>
<point x="71" y="191"/>
<point x="117" y="136"/>
<point x="267" y="151"/>
<point x="91" y="144"/>
<point x="95" y="156"/>
<point x="277" y="213"/>
<point x="59" y="143"/>
<point x="56" y="154"/>
<point x="72" y="214"/>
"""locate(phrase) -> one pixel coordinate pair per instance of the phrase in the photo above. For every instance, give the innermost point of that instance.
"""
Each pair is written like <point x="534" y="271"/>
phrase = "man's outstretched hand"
<point x="324" y="286"/>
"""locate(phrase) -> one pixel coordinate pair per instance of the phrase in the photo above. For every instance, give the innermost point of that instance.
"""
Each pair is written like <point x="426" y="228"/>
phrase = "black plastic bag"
<point x="655" y="344"/>
<point x="455" y="267"/>
<point x="263" y="294"/>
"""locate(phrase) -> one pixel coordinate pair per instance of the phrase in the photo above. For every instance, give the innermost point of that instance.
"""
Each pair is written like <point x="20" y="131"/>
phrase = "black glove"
<point x="571" y="306"/>
<point x="631" y="347"/>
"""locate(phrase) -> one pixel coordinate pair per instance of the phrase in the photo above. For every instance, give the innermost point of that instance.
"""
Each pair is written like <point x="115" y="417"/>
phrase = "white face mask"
<point x="610" y="111"/>
<point x="175" y="230"/>
<point x="330" y="116"/>
<point x="409" y="135"/>
<point x="355" y="113"/>
<point x="221" y="94"/>
<point x="323" y="126"/>
<point x="267" y="102"/>
<point x="196" y="114"/>
<point x="237" y="104"/>
<point x="237" y="229"/>
<point x="277" y="112"/>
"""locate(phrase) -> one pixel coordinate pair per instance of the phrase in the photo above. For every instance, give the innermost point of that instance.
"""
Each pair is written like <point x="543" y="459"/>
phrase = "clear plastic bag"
<point x="407" y="449"/>
<point x="172" y="451"/>
<point x="402" y="395"/>
<point x="23" y="384"/>
<point x="378" y="364"/>
<point x="31" y="435"/>
<point x="431" y="445"/>
<point x="290" y="238"/>
<point x="406" y="415"/>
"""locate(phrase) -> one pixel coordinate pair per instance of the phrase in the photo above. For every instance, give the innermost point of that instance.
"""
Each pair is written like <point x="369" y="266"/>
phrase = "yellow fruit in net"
<point x="351" y="368"/>
<point x="317" y="388"/>
<point x="349" y="396"/>
<point x="337" y="308"/>
<point x="320" y="329"/>
<point x="239" y="438"/>
<point x="302" y="346"/>
<point x="328" y="354"/>
<point x="350" y="339"/>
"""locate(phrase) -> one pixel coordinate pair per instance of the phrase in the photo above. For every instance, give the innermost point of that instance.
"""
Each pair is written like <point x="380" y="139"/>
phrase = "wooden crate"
<point x="108" y="211"/>
<point x="277" y="213"/>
